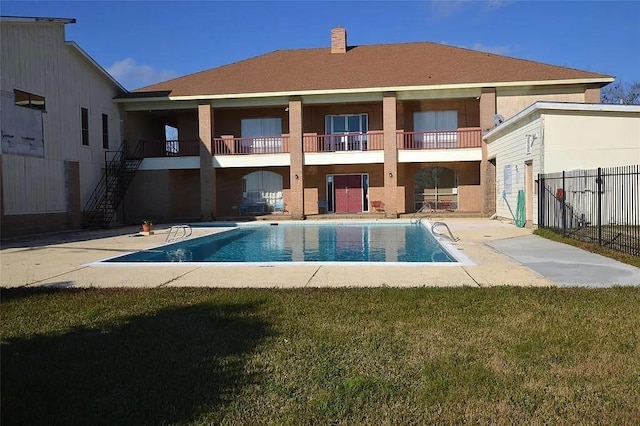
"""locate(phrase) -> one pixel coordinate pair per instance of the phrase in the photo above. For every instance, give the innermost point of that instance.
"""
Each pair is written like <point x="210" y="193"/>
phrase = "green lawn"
<point x="346" y="356"/>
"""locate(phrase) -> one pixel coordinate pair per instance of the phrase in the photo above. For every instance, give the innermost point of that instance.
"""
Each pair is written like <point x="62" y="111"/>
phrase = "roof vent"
<point x="338" y="40"/>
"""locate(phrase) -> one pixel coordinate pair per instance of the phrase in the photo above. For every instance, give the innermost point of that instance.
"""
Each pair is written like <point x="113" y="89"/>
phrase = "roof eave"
<point x="599" y="80"/>
<point x="36" y="20"/>
<point x="92" y="61"/>
<point x="542" y="106"/>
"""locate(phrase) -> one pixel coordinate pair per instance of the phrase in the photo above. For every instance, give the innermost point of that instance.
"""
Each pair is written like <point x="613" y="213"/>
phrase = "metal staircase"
<point x="119" y="172"/>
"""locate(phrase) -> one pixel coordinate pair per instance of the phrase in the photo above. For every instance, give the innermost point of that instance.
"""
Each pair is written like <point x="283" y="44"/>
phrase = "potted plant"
<point x="146" y="225"/>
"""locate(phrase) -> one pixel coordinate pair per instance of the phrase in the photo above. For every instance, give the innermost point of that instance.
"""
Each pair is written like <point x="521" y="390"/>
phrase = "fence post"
<point x="599" y="182"/>
<point x="540" y="201"/>
<point x="564" y="208"/>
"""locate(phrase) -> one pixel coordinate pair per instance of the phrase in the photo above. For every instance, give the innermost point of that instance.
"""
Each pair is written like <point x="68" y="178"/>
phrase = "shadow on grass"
<point x="17" y="293"/>
<point x="170" y="366"/>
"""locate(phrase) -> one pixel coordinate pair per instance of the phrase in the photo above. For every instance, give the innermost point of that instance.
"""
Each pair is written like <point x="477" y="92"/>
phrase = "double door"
<point x="349" y="194"/>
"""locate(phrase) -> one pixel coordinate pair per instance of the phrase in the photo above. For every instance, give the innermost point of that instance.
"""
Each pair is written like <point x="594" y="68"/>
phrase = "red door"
<point x="348" y="193"/>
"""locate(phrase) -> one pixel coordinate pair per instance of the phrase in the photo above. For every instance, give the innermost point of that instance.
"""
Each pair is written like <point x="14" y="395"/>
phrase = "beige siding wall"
<point x="510" y="102"/>
<point x="33" y="185"/>
<point x="589" y="140"/>
<point x="35" y="59"/>
<point x="509" y="151"/>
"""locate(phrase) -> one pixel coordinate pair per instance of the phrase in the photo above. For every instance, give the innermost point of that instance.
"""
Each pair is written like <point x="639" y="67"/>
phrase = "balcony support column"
<point x="390" y="171"/>
<point x="208" y="203"/>
<point x="296" y="160"/>
<point x="488" y="109"/>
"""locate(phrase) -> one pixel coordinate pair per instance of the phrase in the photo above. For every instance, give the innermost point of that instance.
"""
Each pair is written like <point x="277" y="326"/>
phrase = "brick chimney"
<point x="338" y="40"/>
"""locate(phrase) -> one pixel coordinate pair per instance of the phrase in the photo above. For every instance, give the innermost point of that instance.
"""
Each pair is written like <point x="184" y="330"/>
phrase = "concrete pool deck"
<point x="503" y="255"/>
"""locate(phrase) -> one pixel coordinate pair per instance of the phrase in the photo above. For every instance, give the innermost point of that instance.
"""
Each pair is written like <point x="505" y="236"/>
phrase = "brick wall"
<point x="390" y="173"/>
<point x="164" y="196"/>
<point x="489" y="190"/>
<point x="487" y="170"/>
<point x="187" y="124"/>
<point x="72" y="193"/>
<point x="296" y="172"/>
<point x="228" y="121"/>
<point x="142" y="126"/>
<point x="207" y="172"/>
<point x="27" y="224"/>
<point x="314" y="115"/>
<point x="468" y="111"/>
<point x="184" y="195"/>
<point x="173" y="195"/>
<point x="338" y="40"/>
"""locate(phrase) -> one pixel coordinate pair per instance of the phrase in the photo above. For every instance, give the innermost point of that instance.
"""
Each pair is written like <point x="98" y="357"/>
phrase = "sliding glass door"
<point x="348" y="131"/>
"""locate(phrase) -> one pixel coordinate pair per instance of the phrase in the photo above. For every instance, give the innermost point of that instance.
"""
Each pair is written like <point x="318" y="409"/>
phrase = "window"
<point x="105" y="131"/>
<point x="84" y="115"/>
<point x="435" y="188"/>
<point x="22" y="130"/>
<point x="260" y="191"/>
<point x="351" y="130"/>
<point x="435" y="129"/>
<point x="263" y="135"/>
<point x="172" y="145"/>
<point x="528" y="142"/>
<point x="29" y="100"/>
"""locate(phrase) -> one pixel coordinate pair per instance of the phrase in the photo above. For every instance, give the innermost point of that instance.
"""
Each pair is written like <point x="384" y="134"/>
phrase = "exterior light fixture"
<point x="296" y="176"/>
<point x="390" y="174"/>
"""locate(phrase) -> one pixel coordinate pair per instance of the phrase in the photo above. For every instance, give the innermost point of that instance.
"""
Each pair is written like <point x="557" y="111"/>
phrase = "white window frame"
<point x="437" y="129"/>
<point x="356" y="140"/>
<point x="258" y="136"/>
<point x="528" y="142"/>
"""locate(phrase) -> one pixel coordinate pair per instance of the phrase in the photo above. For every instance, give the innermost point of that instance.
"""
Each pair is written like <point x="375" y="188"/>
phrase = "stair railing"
<point x="108" y="194"/>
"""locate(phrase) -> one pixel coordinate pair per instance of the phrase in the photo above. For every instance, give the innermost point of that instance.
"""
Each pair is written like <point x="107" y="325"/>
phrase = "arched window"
<point x="435" y="188"/>
<point x="261" y="190"/>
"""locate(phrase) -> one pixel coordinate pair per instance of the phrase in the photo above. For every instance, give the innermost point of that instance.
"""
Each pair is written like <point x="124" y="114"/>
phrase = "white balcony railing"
<point x="453" y="139"/>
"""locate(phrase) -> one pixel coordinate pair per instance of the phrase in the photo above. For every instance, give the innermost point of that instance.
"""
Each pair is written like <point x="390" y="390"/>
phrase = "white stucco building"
<point x="550" y="137"/>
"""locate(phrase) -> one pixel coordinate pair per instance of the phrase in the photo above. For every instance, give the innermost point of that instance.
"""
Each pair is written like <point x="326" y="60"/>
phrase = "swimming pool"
<point x="342" y="242"/>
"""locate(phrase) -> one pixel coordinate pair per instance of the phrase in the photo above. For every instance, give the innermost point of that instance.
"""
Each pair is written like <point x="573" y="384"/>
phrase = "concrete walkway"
<point x="63" y="260"/>
<point x="566" y="265"/>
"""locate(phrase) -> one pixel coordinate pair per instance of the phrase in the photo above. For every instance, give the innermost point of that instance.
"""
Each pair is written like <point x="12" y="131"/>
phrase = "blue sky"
<point x="145" y="42"/>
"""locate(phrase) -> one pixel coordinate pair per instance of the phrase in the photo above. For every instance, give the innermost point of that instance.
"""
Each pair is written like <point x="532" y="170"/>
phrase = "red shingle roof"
<point x="385" y="65"/>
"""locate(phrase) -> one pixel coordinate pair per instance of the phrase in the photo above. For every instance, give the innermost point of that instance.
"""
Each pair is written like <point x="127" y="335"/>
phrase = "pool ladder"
<point x="177" y="232"/>
<point x="438" y="234"/>
<point x="426" y="208"/>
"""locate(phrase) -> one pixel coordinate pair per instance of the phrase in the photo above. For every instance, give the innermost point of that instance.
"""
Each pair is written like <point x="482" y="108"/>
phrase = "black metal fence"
<point x="600" y="206"/>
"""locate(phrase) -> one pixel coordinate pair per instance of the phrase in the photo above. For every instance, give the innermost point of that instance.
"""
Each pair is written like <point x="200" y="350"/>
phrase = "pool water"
<point x="340" y="242"/>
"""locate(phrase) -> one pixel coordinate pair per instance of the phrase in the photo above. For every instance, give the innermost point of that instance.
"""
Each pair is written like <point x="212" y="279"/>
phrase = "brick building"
<point x="346" y="129"/>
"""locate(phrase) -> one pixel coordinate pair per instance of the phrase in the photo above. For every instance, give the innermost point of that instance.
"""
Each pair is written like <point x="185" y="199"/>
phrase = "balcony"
<point x="172" y="148"/>
<point x="370" y="141"/>
<point x="228" y="145"/>
<point x="470" y="137"/>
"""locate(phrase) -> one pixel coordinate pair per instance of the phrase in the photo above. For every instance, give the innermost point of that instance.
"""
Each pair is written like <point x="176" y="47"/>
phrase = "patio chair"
<point x="278" y="206"/>
<point x="244" y="207"/>
<point x="322" y="205"/>
<point x="378" y="206"/>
